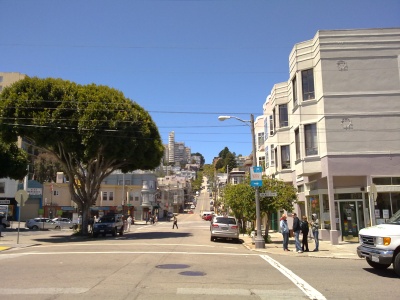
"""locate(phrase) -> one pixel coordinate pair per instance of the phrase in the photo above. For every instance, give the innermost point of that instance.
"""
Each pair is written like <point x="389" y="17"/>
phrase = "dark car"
<point x="109" y="224"/>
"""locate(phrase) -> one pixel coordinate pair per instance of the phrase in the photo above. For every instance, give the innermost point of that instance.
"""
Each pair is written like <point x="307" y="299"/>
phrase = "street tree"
<point x="240" y="198"/>
<point x="13" y="161"/>
<point x="91" y="130"/>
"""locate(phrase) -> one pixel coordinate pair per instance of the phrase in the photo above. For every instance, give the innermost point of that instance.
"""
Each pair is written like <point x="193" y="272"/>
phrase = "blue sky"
<point x="186" y="62"/>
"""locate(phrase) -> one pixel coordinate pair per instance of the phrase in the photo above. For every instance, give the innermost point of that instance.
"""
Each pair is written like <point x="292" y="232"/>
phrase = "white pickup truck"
<point x="380" y="244"/>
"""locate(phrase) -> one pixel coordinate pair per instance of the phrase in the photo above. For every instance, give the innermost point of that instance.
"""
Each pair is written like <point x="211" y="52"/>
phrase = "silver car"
<point x="224" y="227"/>
<point x="64" y="222"/>
<point x="41" y="223"/>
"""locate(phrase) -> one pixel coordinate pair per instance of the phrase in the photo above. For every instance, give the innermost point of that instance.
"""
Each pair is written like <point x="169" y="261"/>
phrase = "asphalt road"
<point x="158" y="262"/>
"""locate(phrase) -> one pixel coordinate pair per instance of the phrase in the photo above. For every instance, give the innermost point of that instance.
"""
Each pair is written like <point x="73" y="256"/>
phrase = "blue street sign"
<point x="256" y="176"/>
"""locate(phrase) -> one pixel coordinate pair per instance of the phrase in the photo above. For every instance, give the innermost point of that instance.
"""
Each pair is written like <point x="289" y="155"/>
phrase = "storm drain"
<point x="173" y="266"/>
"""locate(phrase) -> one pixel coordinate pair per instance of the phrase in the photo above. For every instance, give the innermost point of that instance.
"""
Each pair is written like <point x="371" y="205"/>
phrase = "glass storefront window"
<point x="382" y="180"/>
<point x="325" y="203"/>
<point x="348" y="196"/>
<point x="395" y="202"/>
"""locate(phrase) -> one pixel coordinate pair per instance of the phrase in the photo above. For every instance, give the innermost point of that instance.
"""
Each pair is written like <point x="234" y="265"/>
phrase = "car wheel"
<point x="34" y="227"/>
<point x="114" y="233"/>
<point x="377" y="266"/>
<point x="212" y="239"/>
<point x="396" y="264"/>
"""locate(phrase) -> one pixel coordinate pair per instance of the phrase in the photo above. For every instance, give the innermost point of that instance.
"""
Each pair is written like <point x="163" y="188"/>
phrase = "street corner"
<point x="4" y="248"/>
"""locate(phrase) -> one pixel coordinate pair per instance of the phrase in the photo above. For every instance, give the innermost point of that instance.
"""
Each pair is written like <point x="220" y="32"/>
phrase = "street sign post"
<point x="21" y="196"/>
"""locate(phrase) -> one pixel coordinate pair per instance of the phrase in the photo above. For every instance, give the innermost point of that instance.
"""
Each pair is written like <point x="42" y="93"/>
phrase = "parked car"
<point x="224" y="227"/>
<point x="41" y="223"/>
<point x="208" y="217"/>
<point x="64" y="222"/>
<point x="170" y="215"/>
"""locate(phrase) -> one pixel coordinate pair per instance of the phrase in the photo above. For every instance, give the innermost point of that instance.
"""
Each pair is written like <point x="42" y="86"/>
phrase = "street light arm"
<point x="223" y="118"/>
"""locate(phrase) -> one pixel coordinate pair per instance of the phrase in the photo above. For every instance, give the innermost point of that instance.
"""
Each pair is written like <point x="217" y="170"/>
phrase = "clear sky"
<point x="185" y="62"/>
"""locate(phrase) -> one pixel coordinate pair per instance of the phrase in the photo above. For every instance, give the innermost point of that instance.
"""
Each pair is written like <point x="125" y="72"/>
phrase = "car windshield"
<point x="395" y="219"/>
<point x="225" y="220"/>
<point x="107" y="219"/>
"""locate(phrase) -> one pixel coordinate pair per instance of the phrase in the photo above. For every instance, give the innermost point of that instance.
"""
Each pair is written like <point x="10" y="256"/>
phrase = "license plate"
<point x="224" y="228"/>
<point x="375" y="258"/>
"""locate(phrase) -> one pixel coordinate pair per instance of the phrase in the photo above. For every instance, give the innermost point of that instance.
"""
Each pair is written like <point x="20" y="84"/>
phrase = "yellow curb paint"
<point x="2" y="248"/>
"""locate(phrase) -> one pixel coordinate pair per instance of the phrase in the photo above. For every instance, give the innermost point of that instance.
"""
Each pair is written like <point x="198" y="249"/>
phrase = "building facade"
<point x="333" y="129"/>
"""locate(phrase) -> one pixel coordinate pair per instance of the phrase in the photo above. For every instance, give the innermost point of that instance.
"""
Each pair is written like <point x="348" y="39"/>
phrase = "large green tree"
<point x="91" y="130"/>
<point x="13" y="161"/>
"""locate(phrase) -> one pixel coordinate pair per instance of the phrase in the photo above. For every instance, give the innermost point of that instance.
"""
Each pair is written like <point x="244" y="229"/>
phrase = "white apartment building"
<point x="333" y="129"/>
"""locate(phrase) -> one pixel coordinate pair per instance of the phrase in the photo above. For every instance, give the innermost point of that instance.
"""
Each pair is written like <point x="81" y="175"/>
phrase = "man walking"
<point x="296" y="231"/>
<point x="175" y="222"/>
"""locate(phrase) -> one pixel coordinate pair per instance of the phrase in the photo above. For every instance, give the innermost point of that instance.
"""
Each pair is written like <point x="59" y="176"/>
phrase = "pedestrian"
<point x="95" y="219"/>
<point x="285" y="232"/>
<point x="175" y="223"/>
<point x="314" y="229"/>
<point x="128" y="225"/>
<point x="304" y="230"/>
<point x="296" y="231"/>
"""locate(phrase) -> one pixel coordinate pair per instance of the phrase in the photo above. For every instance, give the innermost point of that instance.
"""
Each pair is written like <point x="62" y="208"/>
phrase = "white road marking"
<point x="139" y="252"/>
<point x="300" y="283"/>
<point x="43" y="291"/>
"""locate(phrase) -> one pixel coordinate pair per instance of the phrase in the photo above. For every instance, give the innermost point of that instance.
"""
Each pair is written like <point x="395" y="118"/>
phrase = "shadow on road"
<point x="127" y="236"/>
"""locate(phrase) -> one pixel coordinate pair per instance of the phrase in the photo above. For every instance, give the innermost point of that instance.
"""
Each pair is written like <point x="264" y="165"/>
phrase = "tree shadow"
<point x="127" y="236"/>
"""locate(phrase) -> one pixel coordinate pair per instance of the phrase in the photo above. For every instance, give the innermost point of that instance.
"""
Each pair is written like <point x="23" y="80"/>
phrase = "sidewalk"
<point x="344" y="250"/>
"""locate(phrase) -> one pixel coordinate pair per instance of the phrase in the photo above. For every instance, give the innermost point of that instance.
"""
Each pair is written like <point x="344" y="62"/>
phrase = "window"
<point x="105" y="194"/>
<point x="271" y="125"/>
<point x="136" y="198"/>
<point x="111" y="196"/>
<point x="285" y="157"/>
<point x="272" y="155"/>
<point x="261" y="162"/>
<point x="2" y="187"/>
<point x="55" y="193"/>
<point x="267" y="157"/>
<point x="307" y="81"/>
<point x="260" y="139"/>
<point x="283" y="116"/>
<point x="297" y="143"/>
<point x="294" y="91"/>
<point x="311" y="140"/>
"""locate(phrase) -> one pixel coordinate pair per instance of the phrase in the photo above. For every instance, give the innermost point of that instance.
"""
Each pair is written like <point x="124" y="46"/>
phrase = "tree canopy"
<point x="240" y="198"/>
<point x="13" y="161"/>
<point x="92" y="130"/>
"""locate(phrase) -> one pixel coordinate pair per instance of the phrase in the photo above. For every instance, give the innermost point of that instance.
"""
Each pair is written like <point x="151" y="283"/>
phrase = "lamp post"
<point x="259" y="241"/>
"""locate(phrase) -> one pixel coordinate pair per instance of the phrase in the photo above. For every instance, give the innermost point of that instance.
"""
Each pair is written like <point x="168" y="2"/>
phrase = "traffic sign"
<point x="268" y="194"/>
<point x="256" y="176"/>
<point x="21" y="196"/>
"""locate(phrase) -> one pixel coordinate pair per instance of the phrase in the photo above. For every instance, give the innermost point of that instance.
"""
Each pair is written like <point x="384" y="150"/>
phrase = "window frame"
<point x="311" y="139"/>
<point x="307" y="84"/>
<point x="285" y="165"/>
<point x="283" y="115"/>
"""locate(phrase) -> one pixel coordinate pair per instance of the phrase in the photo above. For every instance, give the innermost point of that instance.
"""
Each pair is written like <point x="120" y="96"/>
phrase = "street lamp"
<point x="259" y="241"/>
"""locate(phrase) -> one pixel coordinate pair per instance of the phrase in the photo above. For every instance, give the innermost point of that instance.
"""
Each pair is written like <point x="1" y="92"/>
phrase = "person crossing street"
<point x="175" y="223"/>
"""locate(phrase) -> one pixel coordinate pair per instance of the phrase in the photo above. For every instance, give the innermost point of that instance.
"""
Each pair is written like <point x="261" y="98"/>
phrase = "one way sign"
<point x="268" y="194"/>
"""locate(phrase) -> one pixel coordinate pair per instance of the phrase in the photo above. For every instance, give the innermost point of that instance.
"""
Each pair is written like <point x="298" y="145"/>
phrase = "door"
<point x="351" y="218"/>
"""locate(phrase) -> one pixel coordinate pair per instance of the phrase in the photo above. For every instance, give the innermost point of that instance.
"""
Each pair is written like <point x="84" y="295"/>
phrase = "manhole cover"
<point x="173" y="266"/>
<point x="192" y="273"/>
